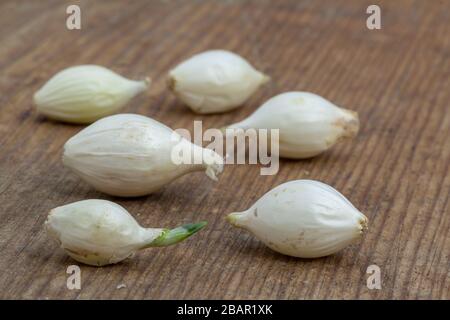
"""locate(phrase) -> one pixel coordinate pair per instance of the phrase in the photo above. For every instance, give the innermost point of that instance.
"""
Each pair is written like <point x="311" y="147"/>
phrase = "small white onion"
<point x="308" y="124"/>
<point x="83" y="94"/>
<point x="131" y="155"/>
<point x="100" y="232"/>
<point x="303" y="218"/>
<point x="215" y="81"/>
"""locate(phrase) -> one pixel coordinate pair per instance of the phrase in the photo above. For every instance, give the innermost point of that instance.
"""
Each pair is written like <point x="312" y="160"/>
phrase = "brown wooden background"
<point x="396" y="171"/>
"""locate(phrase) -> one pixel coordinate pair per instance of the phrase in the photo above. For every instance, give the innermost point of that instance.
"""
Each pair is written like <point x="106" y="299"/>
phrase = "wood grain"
<point x="396" y="171"/>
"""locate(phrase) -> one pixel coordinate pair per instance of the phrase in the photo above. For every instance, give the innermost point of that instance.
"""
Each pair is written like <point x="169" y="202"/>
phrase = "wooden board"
<point x="396" y="171"/>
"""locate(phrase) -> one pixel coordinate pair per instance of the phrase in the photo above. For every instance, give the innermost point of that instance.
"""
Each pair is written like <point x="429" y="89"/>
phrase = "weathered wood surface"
<point x="396" y="171"/>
